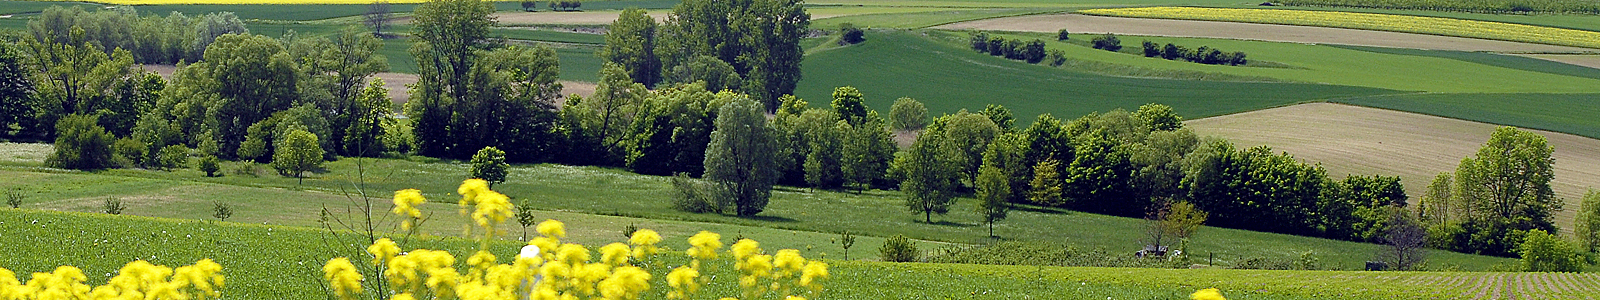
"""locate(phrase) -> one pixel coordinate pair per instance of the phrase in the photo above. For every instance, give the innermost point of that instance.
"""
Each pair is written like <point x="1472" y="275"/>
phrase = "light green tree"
<point x="1544" y="252"/>
<point x="994" y="191"/>
<point x="849" y="104"/>
<point x="490" y="165"/>
<point x="908" y="114"/>
<point x="1509" y="180"/>
<point x="1045" y="189"/>
<point x="930" y="173"/>
<point x="866" y="152"/>
<point x="969" y="134"/>
<point x="741" y="155"/>
<point x="1588" y="224"/>
<point x="631" y="43"/>
<point x="1437" y="205"/>
<point x="615" y="102"/>
<point x="1159" y="117"/>
<point x="297" y="153"/>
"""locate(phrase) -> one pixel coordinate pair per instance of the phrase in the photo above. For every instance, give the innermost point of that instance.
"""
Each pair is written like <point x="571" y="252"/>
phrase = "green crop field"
<point x="939" y="70"/>
<point x="583" y="190"/>
<point x="1569" y="113"/>
<point x="923" y="19"/>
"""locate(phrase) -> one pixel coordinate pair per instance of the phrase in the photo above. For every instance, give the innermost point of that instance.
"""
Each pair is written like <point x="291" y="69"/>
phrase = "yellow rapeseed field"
<point x="171" y="2"/>
<point x="1412" y="24"/>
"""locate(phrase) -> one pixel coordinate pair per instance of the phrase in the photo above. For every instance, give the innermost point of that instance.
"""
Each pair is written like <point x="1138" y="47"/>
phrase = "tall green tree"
<point x="994" y="193"/>
<point x="254" y="78"/>
<point x="970" y="134"/>
<point x="760" y="39"/>
<point x="1437" y="205"/>
<point x="1159" y="117"/>
<point x="866" y="152"/>
<point x="341" y="65"/>
<point x="1099" y="178"/>
<point x="849" y="104"/>
<point x="741" y="155"/>
<point x="16" y="92"/>
<point x="72" y="75"/>
<point x="930" y="173"/>
<point x="612" y="108"/>
<point x="822" y="165"/>
<point x="1046" y="186"/>
<point x="1001" y="116"/>
<point x="297" y="153"/>
<point x="490" y="165"/>
<point x="1005" y="156"/>
<point x="369" y="116"/>
<point x="1588" y="222"/>
<point x="631" y="43"/>
<point x="447" y="35"/>
<point x="670" y="133"/>
<point x="1047" y="140"/>
<point x="1509" y="180"/>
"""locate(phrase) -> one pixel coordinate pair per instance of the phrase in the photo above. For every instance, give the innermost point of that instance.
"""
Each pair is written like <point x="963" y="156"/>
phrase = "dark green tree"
<point x="16" y="92"/>
<point x="930" y="173"/>
<point x="908" y="114"/>
<point x="970" y="135"/>
<point x="631" y="43"/>
<point x="81" y="144"/>
<point x="447" y="35"/>
<point x="994" y="193"/>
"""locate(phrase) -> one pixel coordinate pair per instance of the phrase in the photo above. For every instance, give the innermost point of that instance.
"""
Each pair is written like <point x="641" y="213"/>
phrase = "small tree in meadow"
<point x="14" y="197"/>
<point x="1063" y="35"/>
<point x="490" y="165"/>
<point x="898" y="249"/>
<point x="296" y="154"/>
<point x="209" y="164"/>
<point x="993" y="190"/>
<point x="221" y="211"/>
<point x="525" y="216"/>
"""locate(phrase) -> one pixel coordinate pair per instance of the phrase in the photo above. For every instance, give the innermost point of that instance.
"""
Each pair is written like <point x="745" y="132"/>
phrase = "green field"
<point x="911" y="20"/>
<point x="940" y="71"/>
<point x="1383" y="68"/>
<point x="574" y="191"/>
<point x="1568" y="113"/>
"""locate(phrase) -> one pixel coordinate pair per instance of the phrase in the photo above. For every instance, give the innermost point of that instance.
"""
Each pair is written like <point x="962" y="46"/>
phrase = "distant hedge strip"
<point x="1368" y="21"/>
<point x="1474" y="6"/>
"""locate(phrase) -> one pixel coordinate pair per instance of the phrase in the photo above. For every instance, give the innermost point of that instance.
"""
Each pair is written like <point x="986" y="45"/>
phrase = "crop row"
<point x="1477" y="6"/>
<point x="1369" y="21"/>
<point x="1359" y="284"/>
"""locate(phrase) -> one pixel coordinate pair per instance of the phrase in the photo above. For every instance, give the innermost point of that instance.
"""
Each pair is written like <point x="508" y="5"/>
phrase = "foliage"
<point x="1046" y="187"/>
<point x="1233" y="185"/>
<point x="1544" y="252"/>
<point x="1034" y="253"/>
<point x="695" y="196"/>
<point x="1063" y="35"/>
<point x="760" y="39"/>
<point x="846" y="240"/>
<point x="297" y="153"/>
<point x="929" y="173"/>
<point x="1173" y="221"/>
<point x="1588" y="222"/>
<point x="1159" y="117"/>
<point x="113" y="205"/>
<point x="16" y="92"/>
<point x="172" y="156"/>
<point x="74" y="76"/>
<point x="907" y="114"/>
<point x="81" y="144"/>
<point x="969" y="135"/>
<point x="369" y="123"/>
<point x="898" y="249"/>
<point x="1370" y="21"/>
<point x="994" y="193"/>
<point x="209" y="164"/>
<point x="1406" y="242"/>
<point x="631" y="43"/>
<point x="606" y="115"/>
<point x="740" y="156"/>
<point x="1108" y="42"/>
<point x="377" y="17"/>
<point x="14" y="198"/>
<point x="526" y="217"/>
<point x="718" y="75"/>
<point x="490" y="165"/>
<point x="1005" y="154"/>
<point x="221" y="211"/>
<point x="565" y="5"/>
<point x="849" y="34"/>
<point x="849" y="105"/>
<point x="1506" y="187"/>
<point x="151" y="39"/>
<point x="671" y="130"/>
<point x="866" y="151"/>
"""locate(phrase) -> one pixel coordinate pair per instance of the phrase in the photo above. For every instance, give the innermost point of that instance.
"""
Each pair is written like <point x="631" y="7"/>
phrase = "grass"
<point x="277" y="262"/>
<point x="1568" y="21"/>
<point x="1568" y="113"/>
<point x="549" y="36"/>
<point x="938" y="69"/>
<point x="1384" y="68"/>
<point x="568" y="192"/>
<point x="912" y="20"/>
<point x="1370" y="21"/>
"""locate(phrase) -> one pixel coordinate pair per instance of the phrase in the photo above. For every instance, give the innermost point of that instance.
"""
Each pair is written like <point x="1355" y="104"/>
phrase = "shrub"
<point x="172" y="156"/>
<point x="490" y="165"/>
<point x="849" y="34"/>
<point x="908" y="114"/>
<point x="1033" y="52"/>
<point x="1151" y="49"/>
<point x="113" y="205"/>
<point x="1062" y="35"/>
<point x="692" y="195"/>
<point x="128" y="152"/>
<point x="1544" y="252"/>
<point x="1057" y="57"/>
<point x="898" y="249"/>
<point x="14" y="198"/>
<point x="1108" y="42"/>
<point x="980" y="42"/>
<point x="248" y="168"/>
<point x="209" y="164"/>
<point x="997" y="46"/>
<point x="81" y="144"/>
<point x="221" y="211"/>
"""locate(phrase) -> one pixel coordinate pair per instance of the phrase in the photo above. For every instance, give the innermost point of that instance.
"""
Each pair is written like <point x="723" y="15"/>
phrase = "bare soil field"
<point x="1592" y="61"/>
<point x="1359" y="140"/>
<point x="1077" y="23"/>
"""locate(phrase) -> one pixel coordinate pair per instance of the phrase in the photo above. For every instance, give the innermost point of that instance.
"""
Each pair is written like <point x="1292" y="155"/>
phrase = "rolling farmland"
<point x="1413" y="24"/>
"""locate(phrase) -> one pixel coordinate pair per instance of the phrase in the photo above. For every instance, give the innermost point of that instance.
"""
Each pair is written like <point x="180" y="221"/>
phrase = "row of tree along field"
<point x="297" y="101"/>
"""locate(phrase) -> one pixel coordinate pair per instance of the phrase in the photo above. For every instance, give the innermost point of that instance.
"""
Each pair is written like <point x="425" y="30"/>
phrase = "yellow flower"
<point x="625" y="283"/>
<point x="794" y="298"/>
<point x="789" y="260"/>
<point x="572" y="254"/>
<point x="492" y="208"/>
<point x="756" y="267"/>
<point x="813" y="272"/>
<point x="704" y="245"/>
<point x="682" y="281"/>
<point x="405" y="206"/>
<point x="547" y="246"/>
<point x="743" y="249"/>
<point x="342" y="276"/>
<point x="553" y="229"/>
<point x="481" y="261"/>
<point x="382" y="250"/>
<point x="403" y="296"/>
<point x="1207" y="294"/>
<point x="8" y="283"/>
<point x="645" y="241"/>
<point x="470" y="189"/>
<point x="615" y="254"/>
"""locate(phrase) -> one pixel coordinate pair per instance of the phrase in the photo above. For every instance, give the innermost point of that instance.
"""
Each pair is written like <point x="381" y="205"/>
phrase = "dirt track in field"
<point x="1592" y="61"/>
<point x="1077" y="23"/>
<point x="1359" y="140"/>
<point x="396" y="83"/>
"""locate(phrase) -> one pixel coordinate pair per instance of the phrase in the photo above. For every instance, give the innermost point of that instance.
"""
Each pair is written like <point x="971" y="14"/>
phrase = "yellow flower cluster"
<point x="490" y="208"/>
<point x="566" y="271"/>
<point x="1207" y="294"/>
<point x="1369" y="21"/>
<point x="405" y="205"/>
<point x="136" y="280"/>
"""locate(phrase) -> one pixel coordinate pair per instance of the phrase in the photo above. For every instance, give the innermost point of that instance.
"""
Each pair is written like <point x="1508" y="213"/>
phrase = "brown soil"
<point x="1592" y="61"/>
<point x="1359" y="140"/>
<point x="1077" y="23"/>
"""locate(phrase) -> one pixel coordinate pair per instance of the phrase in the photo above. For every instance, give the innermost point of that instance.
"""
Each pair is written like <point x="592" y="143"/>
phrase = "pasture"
<point x="1358" y="140"/>
<point x="1384" y="22"/>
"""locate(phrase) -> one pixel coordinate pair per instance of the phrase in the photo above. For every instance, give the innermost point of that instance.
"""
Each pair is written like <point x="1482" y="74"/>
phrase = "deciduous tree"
<point x="930" y="173"/>
<point x="490" y="165"/>
<point x="908" y="114"/>
<point x="297" y="153"/>
<point x="631" y="43"/>
<point x="81" y="144"/>
<point x="994" y="191"/>
<point x="741" y="155"/>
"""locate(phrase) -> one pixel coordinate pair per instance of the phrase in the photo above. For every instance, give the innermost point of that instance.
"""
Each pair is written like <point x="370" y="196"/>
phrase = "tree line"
<point x="1202" y="55"/>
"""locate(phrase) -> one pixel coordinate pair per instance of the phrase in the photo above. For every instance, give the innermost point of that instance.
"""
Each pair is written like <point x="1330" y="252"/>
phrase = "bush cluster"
<point x="1203" y="55"/>
<point x="1108" y="42"/>
<point x="566" y="5"/>
<point x="1045" y="254"/>
<point x="1032" y="51"/>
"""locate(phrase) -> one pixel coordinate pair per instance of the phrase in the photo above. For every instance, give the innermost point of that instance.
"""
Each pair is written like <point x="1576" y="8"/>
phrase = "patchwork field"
<point x="1385" y="22"/>
<point x="1079" y="23"/>
<point x="1359" y="140"/>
